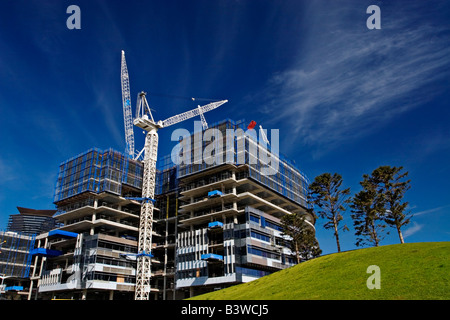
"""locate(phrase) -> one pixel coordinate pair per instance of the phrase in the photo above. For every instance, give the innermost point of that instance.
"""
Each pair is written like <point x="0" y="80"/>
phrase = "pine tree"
<point x="391" y="188"/>
<point x="326" y="194"/>
<point x="367" y="220"/>
<point x="303" y="240"/>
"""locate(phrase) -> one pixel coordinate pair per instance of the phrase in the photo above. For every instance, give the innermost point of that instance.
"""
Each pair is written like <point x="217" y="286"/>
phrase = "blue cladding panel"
<point x="14" y="288"/>
<point x="45" y="252"/>
<point x="215" y="193"/>
<point x="215" y="224"/>
<point x="62" y="234"/>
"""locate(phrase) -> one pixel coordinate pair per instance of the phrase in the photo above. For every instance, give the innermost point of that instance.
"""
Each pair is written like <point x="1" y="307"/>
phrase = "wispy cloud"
<point x="350" y="80"/>
<point x="412" y="230"/>
<point x="430" y="210"/>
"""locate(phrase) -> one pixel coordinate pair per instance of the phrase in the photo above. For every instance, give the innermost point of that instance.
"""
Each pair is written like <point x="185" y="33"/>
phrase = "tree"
<point x="309" y="246"/>
<point x="303" y="240"/>
<point x="326" y="194"/>
<point x="391" y="188"/>
<point x="366" y="216"/>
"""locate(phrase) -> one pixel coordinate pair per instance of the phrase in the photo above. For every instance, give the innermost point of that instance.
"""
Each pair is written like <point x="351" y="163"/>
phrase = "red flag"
<point x="251" y="125"/>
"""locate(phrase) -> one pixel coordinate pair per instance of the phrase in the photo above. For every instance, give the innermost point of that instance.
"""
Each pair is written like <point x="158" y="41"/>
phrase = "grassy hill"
<point x="408" y="271"/>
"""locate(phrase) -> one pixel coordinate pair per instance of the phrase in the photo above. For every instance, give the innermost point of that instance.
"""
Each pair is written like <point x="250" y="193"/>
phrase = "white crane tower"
<point x="144" y="120"/>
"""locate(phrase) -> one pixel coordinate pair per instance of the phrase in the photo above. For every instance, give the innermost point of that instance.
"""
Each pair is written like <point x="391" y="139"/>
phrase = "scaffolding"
<point x="166" y="176"/>
<point x="288" y="179"/>
<point x="98" y="171"/>
<point x="15" y="256"/>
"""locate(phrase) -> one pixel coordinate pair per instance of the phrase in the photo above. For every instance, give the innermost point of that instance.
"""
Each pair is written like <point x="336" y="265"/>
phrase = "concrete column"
<point x="31" y="289"/>
<point x="36" y="260"/>
<point x="43" y="258"/>
<point x="94" y="217"/>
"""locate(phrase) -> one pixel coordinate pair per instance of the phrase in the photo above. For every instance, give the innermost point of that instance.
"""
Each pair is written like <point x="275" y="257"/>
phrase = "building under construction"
<point x="168" y="229"/>
<point x="214" y="225"/>
<point x="15" y="262"/>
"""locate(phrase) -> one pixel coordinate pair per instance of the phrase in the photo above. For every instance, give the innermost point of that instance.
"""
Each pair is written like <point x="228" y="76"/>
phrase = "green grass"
<point x="408" y="271"/>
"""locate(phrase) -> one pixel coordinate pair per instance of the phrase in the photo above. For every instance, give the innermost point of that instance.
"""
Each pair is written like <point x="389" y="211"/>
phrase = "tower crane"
<point x="144" y="120"/>
<point x="127" y="115"/>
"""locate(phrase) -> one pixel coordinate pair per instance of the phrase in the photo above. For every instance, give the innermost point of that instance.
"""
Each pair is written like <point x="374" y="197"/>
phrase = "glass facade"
<point x="32" y="222"/>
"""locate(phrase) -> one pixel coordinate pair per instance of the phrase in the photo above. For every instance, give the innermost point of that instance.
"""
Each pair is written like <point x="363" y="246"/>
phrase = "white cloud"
<point x="412" y="230"/>
<point x="430" y="210"/>
<point x="350" y="80"/>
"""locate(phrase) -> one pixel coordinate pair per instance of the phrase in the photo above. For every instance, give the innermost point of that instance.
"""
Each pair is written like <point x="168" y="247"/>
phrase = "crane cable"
<point x="182" y="97"/>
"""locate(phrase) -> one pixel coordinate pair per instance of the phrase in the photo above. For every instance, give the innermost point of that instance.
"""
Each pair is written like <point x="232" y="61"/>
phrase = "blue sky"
<point x="345" y="98"/>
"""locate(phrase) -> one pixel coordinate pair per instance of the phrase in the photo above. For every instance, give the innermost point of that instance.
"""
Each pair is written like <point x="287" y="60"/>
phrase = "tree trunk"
<point x="337" y="236"/>
<point x="400" y="235"/>
<point x="374" y="233"/>
<point x="297" y="253"/>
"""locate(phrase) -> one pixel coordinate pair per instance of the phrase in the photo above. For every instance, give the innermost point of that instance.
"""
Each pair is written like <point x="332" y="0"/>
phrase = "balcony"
<point x="207" y="200"/>
<point x="209" y="214"/>
<point x="207" y="182"/>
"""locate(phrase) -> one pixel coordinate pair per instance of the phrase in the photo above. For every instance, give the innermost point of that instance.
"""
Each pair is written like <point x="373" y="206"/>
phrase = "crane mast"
<point x="144" y="120"/>
<point x="127" y="114"/>
<point x="143" y="267"/>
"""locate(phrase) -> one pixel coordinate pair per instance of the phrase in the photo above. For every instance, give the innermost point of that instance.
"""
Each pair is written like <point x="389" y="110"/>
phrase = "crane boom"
<point x="202" y="118"/>
<point x="192" y="113"/>
<point x="126" y="102"/>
